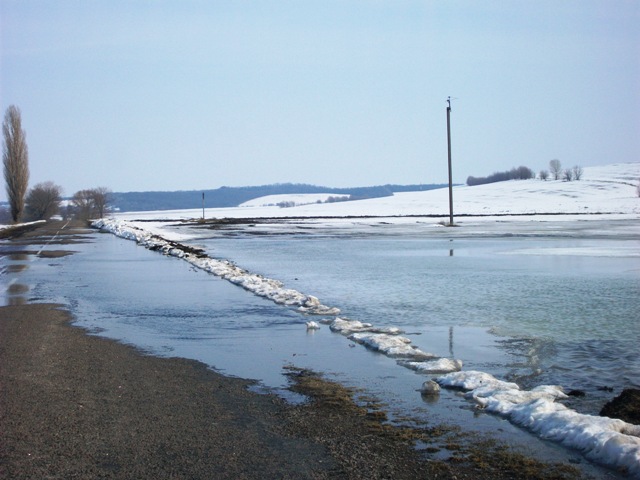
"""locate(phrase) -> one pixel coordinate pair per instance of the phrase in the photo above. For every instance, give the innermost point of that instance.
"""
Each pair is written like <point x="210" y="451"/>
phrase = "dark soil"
<point x="625" y="406"/>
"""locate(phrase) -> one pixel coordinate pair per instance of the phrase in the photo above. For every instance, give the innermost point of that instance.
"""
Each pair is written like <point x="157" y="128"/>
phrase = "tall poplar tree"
<point x="15" y="157"/>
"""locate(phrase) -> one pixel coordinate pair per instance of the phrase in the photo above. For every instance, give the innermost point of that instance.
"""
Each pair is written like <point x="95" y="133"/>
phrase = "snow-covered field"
<point x="293" y="199"/>
<point x="610" y="189"/>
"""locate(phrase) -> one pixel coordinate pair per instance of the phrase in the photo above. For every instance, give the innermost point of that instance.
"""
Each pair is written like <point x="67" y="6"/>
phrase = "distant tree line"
<point x="233" y="196"/>
<point x="555" y="172"/>
<point x="520" y="173"/>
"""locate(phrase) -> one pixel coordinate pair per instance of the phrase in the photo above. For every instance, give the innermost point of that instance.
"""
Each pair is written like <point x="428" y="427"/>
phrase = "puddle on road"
<point x="17" y="289"/>
<point x="16" y="268"/>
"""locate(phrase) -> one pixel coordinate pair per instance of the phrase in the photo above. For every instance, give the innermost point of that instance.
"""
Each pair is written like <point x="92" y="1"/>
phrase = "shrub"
<point x="520" y="173"/>
<point x="567" y="176"/>
<point x="577" y="172"/>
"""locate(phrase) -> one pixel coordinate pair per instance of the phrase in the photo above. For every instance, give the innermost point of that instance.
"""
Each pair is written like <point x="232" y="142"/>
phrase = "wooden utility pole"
<point x="449" y="150"/>
<point x="202" y="205"/>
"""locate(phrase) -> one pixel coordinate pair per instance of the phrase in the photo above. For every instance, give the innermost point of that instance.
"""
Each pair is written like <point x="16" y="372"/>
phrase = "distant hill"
<point x="233" y="196"/>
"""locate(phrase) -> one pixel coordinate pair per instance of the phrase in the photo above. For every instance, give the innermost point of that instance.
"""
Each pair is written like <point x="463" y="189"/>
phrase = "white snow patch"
<point x="605" y="440"/>
<point x="18" y="225"/>
<point x="292" y="199"/>
<point x="440" y="365"/>
<point x="391" y="345"/>
<point x="347" y="327"/>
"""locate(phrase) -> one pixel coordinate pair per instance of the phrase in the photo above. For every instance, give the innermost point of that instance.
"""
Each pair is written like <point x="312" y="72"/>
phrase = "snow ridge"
<point x="274" y="290"/>
<point x="605" y="440"/>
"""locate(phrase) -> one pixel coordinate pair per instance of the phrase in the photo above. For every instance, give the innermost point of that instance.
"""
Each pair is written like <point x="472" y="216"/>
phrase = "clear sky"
<point x="179" y="95"/>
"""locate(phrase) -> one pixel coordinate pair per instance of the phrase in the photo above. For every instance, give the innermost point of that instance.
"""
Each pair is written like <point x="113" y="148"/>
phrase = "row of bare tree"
<point x="44" y="200"/>
<point x="558" y="173"/>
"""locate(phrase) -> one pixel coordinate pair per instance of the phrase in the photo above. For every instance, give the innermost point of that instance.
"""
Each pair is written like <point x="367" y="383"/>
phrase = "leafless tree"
<point x="577" y="172"/>
<point x="91" y="203"/>
<point x="43" y="201"/>
<point x="544" y="174"/>
<point x="567" y="175"/>
<point x="82" y="202"/>
<point x="555" y="167"/>
<point x="15" y="157"/>
<point x="101" y="199"/>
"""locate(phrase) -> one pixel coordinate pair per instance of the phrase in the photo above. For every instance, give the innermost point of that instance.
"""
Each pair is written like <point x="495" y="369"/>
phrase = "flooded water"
<point x="568" y="319"/>
<point x="535" y="310"/>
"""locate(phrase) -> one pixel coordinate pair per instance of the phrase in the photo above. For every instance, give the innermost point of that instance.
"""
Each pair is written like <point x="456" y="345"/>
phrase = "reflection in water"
<point x="17" y="289"/>
<point x="16" y="268"/>
<point x="15" y="263"/>
<point x="16" y="301"/>
<point x="14" y="294"/>
<point x="18" y="257"/>
<point x="430" y="399"/>
<point x="451" y="342"/>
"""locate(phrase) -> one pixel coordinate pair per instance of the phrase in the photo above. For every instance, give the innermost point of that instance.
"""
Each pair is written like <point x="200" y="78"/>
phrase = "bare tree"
<point x="544" y="174"/>
<point x="82" y="202"/>
<point x="15" y="157"/>
<point x="567" y="175"/>
<point x="577" y="172"/>
<point x="101" y="199"/>
<point x="555" y="167"/>
<point x="43" y="201"/>
<point x="91" y="203"/>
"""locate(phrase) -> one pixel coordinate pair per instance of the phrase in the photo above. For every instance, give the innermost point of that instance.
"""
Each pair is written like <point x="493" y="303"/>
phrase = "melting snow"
<point x="609" y="441"/>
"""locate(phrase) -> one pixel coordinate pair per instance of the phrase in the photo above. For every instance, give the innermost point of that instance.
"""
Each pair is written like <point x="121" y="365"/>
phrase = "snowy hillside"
<point x="604" y="189"/>
<point x="293" y="199"/>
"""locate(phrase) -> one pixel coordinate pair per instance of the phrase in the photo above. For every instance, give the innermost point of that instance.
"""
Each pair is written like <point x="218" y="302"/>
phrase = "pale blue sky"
<point x="179" y="95"/>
